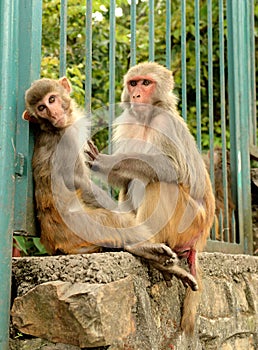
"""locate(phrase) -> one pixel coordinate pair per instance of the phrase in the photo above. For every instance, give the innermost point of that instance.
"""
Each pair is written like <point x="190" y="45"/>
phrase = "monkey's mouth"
<point x="59" y="123"/>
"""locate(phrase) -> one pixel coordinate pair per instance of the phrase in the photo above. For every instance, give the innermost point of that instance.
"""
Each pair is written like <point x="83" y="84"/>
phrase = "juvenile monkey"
<point x="75" y="215"/>
<point x="162" y="176"/>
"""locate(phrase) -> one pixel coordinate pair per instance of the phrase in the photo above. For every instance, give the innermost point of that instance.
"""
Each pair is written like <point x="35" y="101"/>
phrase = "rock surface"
<point x="115" y="301"/>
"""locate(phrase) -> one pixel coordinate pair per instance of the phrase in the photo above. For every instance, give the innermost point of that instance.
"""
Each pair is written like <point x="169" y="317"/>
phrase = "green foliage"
<point x="29" y="245"/>
<point x="76" y="18"/>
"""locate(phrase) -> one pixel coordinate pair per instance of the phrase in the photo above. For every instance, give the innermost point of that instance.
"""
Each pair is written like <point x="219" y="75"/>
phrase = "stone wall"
<point x="115" y="301"/>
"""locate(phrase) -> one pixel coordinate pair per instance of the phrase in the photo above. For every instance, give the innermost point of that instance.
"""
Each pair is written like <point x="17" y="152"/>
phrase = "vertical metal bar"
<point x="183" y="59"/>
<point x="8" y="70"/>
<point x="245" y="110"/>
<point x="63" y="37"/>
<point x="198" y="74"/>
<point x="168" y="34"/>
<point x="151" y="31"/>
<point x="210" y="98"/>
<point x="239" y="100"/>
<point x="233" y="82"/>
<point x="29" y="56"/>
<point x="233" y="227"/>
<point x="253" y="123"/>
<point x="112" y="64"/>
<point x="223" y="120"/>
<point x="133" y="33"/>
<point x="210" y="90"/>
<point x="88" y="64"/>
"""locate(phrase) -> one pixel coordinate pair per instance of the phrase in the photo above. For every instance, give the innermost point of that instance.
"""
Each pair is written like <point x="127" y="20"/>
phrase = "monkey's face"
<point x="50" y="107"/>
<point x="48" y="103"/>
<point x="141" y="89"/>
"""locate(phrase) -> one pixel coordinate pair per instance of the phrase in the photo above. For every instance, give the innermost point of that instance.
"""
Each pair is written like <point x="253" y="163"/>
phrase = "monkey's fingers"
<point x="94" y="152"/>
<point x="90" y="157"/>
<point x="167" y="278"/>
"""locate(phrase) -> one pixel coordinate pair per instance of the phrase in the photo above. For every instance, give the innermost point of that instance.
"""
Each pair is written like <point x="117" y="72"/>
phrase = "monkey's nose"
<point x="136" y="96"/>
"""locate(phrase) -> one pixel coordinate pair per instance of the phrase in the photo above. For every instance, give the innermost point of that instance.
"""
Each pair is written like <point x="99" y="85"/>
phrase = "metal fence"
<point x="233" y="107"/>
<point x="215" y="71"/>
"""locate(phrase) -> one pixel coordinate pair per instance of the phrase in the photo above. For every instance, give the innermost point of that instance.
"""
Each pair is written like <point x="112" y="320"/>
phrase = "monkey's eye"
<point x="133" y="82"/>
<point x="41" y="108"/>
<point x="51" y="99"/>
<point x="146" y="82"/>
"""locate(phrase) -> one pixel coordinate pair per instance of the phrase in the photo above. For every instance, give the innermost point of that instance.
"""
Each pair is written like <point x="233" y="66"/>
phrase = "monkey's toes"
<point x="164" y="249"/>
<point x="173" y="260"/>
<point x="191" y="282"/>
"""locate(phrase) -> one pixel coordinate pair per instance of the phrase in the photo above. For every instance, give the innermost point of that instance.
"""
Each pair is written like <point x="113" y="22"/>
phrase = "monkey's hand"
<point x="92" y="152"/>
<point x="93" y="158"/>
<point x="96" y="161"/>
<point x="101" y="163"/>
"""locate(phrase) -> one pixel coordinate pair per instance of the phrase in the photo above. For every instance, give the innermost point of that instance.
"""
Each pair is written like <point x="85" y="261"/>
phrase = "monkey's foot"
<point x="156" y="252"/>
<point x="179" y="272"/>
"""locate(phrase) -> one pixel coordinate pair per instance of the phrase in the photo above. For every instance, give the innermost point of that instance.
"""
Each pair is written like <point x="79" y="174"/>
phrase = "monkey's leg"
<point x="191" y="260"/>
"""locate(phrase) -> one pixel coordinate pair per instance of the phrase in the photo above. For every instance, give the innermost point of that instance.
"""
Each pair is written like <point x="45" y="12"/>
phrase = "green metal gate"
<point x="165" y="31"/>
<point x="20" y="52"/>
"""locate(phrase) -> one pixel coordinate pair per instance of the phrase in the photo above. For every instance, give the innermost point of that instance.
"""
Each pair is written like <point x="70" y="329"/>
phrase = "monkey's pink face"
<point x="50" y="108"/>
<point x="141" y="89"/>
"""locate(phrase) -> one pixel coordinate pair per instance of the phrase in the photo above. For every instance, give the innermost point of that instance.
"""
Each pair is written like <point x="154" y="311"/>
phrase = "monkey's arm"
<point x="77" y="179"/>
<point x="121" y="168"/>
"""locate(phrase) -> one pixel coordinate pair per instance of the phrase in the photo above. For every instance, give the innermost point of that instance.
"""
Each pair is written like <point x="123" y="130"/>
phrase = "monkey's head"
<point x="147" y="83"/>
<point x="48" y="103"/>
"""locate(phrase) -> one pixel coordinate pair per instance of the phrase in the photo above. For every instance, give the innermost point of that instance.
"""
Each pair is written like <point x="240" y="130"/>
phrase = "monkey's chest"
<point x="139" y="132"/>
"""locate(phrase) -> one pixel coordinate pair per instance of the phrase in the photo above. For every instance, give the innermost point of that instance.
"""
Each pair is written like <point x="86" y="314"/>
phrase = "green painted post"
<point x="168" y="34"/>
<point x="88" y="65"/>
<point x="63" y="39"/>
<point x="223" y="119"/>
<point x="183" y="60"/>
<point x="198" y="73"/>
<point x="151" y="31"/>
<point x="253" y="122"/>
<point x="245" y="117"/>
<point x="8" y="69"/>
<point x="210" y="89"/>
<point x="112" y="70"/>
<point x="239" y="77"/>
<point x="29" y="61"/>
<point x="133" y="33"/>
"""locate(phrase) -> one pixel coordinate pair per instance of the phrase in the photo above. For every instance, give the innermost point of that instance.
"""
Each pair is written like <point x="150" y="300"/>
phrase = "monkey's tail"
<point x="191" y="304"/>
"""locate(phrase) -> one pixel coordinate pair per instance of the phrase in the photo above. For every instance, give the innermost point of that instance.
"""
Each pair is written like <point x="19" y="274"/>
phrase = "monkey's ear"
<point x="66" y="84"/>
<point x="28" y="117"/>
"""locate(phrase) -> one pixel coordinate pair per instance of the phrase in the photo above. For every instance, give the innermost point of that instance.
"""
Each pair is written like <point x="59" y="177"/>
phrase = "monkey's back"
<point x="55" y="234"/>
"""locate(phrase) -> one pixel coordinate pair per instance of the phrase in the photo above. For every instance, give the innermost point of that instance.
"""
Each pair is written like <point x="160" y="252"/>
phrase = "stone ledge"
<point x="130" y="306"/>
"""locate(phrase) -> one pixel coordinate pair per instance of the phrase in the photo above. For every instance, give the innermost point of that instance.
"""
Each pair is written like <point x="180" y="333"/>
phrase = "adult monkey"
<point x="160" y="171"/>
<point x="73" y="211"/>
